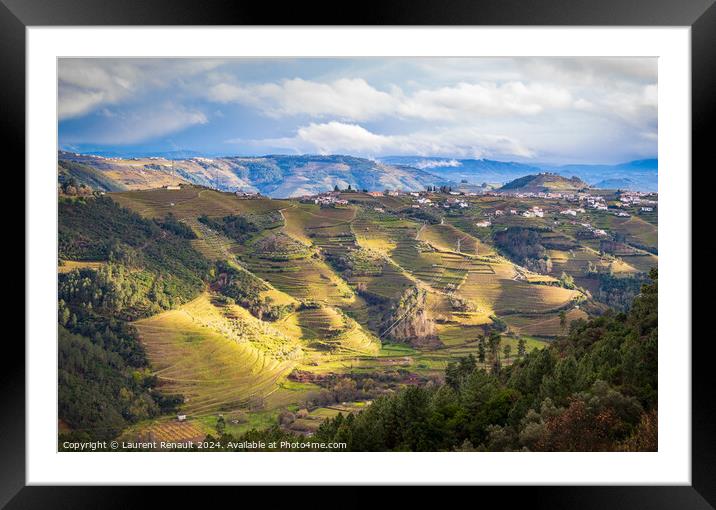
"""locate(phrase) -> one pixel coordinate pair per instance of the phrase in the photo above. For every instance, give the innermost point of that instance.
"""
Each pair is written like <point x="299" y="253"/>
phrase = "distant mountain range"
<point x="639" y="175"/>
<point x="275" y="176"/>
<point x="292" y="176"/>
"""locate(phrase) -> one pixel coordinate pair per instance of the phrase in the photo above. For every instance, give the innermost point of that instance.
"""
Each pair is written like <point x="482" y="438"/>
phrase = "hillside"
<point x="262" y="311"/>
<point x="274" y="176"/>
<point x="544" y="183"/>
<point x="623" y="183"/>
<point x="91" y="177"/>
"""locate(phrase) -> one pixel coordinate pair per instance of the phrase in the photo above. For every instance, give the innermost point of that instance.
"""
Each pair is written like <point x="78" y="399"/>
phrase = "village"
<point x="575" y="207"/>
<point x="566" y="204"/>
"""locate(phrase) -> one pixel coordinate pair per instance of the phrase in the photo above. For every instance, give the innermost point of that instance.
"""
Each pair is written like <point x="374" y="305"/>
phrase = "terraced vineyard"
<point x="340" y="273"/>
<point x="543" y="325"/>
<point x="196" y="353"/>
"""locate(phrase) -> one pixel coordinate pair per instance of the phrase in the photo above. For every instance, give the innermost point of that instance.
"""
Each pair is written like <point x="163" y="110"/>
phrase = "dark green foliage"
<point x="151" y="268"/>
<point x="176" y="227"/>
<point x="104" y="383"/>
<point x="424" y="215"/>
<point x="594" y="390"/>
<point x="245" y="289"/>
<point x="521" y="243"/>
<point x="456" y="373"/>
<point x="99" y="392"/>
<point x="618" y="292"/>
<point x="88" y="228"/>
<point x="234" y="227"/>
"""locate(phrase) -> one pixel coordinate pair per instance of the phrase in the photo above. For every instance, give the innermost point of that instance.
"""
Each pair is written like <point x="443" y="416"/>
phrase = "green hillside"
<point x="244" y="313"/>
<point x="544" y="182"/>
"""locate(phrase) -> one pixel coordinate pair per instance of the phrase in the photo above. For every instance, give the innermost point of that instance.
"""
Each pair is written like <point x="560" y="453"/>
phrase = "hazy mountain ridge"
<point x="291" y="176"/>
<point x="272" y="175"/>
<point x="637" y="175"/>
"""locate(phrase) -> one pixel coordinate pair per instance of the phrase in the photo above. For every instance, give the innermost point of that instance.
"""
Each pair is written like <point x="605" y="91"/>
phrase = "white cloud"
<point x="344" y="98"/>
<point x="489" y="99"/>
<point x="432" y="163"/>
<point x="88" y="84"/>
<point x="338" y="137"/>
<point x="355" y="99"/>
<point x="601" y="109"/>
<point x="75" y="102"/>
<point x="145" y="124"/>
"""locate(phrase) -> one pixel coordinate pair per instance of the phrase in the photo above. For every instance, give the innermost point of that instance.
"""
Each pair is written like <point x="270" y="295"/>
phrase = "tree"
<point x="507" y="349"/>
<point x="220" y="424"/>
<point x="494" y="342"/>
<point x="336" y="188"/>
<point x="521" y="348"/>
<point x="481" y="349"/>
<point x="456" y="373"/>
<point x="562" y="319"/>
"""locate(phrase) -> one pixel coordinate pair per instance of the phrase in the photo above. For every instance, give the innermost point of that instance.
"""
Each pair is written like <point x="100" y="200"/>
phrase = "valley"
<point x="316" y="306"/>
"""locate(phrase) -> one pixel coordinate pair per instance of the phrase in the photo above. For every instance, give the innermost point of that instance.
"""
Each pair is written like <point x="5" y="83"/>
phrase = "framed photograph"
<point x="419" y="246"/>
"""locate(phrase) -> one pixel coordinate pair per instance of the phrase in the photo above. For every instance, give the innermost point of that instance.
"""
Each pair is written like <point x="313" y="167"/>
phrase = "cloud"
<point x="431" y="163"/>
<point x="143" y="124"/>
<point x="488" y="99"/>
<point x="355" y="99"/>
<point x="338" y="137"/>
<point x="86" y="84"/>
<point x="601" y="109"/>
<point x="343" y="98"/>
<point x="637" y="105"/>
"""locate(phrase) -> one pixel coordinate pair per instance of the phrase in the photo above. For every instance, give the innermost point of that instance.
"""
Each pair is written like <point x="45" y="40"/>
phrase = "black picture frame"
<point x="700" y="15"/>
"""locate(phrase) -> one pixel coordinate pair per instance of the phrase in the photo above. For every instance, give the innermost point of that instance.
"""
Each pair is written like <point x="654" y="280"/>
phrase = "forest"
<point x="104" y="378"/>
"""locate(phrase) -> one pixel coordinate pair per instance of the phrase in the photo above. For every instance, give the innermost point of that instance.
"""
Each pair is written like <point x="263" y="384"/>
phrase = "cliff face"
<point x="413" y="324"/>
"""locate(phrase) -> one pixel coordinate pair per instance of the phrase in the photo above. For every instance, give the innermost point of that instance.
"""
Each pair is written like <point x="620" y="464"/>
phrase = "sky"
<point x="550" y="110"/>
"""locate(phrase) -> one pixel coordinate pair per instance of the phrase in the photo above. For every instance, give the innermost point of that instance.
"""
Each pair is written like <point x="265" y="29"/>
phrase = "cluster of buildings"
<point x="572" y="212"/>
<point x="594" y="201"/>
<point x="597" y="232"/>
<point x="627" y="198"/>
<point x="526" y="194"/>
<point x="328" y="199"/>
<point x="247" y="194"/>
<point x="534" y="212"/>
<point x="637" y="198"/>
<point x="420" y="199"/>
